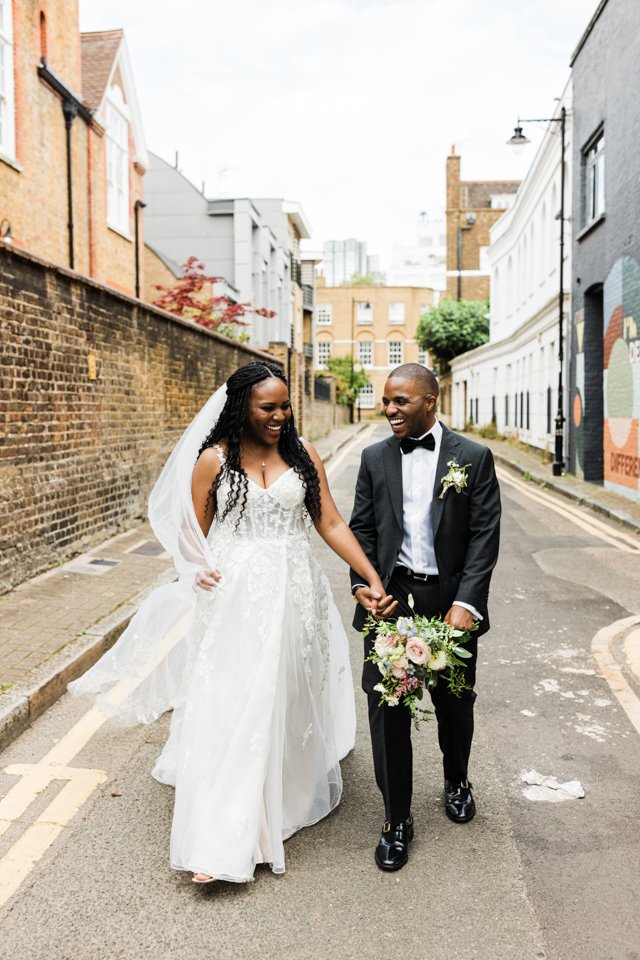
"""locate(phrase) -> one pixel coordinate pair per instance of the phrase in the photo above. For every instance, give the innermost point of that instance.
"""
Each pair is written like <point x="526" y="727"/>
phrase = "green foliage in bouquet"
<point x="414" y="654"/>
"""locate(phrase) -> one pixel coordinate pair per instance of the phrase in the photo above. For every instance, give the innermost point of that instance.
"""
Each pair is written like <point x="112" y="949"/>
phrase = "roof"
<point x="99" y="50"/>
<point x="585" y="35"/>
<point x="479" y="192"/>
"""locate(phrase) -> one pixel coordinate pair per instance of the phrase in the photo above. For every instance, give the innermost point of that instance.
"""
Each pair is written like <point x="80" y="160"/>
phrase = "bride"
<point x="256" y="669"/>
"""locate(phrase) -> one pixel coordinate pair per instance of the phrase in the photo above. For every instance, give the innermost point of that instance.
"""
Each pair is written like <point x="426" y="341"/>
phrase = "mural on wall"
<point x="621" y="377"/>
<point x="577" y="411"/>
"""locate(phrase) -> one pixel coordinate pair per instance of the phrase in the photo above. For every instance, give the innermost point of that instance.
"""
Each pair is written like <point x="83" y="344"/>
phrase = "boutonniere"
<point x="456" y="478"/>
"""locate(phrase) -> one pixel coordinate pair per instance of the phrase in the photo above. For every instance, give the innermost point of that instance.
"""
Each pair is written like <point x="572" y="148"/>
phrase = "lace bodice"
<point x="275" y="513"/>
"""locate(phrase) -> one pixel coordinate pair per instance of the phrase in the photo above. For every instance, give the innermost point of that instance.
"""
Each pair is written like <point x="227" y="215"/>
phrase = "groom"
<point x="439" y="549"/>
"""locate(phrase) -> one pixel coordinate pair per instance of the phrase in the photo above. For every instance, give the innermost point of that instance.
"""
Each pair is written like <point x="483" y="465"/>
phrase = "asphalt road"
<point x="524" y="880"/>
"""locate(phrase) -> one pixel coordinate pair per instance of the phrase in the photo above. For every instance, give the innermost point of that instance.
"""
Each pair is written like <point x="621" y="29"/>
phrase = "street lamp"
<point x="518" y="141"/>
<point x="356" y="368"/>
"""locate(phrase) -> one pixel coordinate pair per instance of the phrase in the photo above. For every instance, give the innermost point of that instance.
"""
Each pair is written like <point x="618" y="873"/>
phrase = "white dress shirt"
<point x="418" y="481"/>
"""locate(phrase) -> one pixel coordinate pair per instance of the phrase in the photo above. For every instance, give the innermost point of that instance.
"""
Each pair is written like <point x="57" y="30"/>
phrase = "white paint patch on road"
<point x="583" y="671"/>
<point x="540" y="787"/>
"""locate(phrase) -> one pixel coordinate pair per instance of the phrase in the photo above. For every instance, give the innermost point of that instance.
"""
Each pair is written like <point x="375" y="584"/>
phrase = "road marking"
<point x="602" y="647"/>
<point x="21" y="858"/>
<point x="626" y="542"/>
<point x="337" y="460"/>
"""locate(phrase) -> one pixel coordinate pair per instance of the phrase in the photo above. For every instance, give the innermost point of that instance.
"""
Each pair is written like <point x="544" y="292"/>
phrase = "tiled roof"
<point x="98" y="53"/>
<point x="479" y="192"/>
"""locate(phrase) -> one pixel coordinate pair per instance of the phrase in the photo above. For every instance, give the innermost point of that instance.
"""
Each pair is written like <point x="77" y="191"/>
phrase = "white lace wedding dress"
<point x="266" y="706"/>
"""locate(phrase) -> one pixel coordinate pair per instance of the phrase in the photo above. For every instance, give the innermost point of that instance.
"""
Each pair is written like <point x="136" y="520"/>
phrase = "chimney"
<point x="453" y="180"/>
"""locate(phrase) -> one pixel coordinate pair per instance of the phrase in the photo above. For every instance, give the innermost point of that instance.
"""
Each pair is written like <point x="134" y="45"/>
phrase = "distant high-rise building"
<point x="423" y="263"/>
<point x="342" y="260"/>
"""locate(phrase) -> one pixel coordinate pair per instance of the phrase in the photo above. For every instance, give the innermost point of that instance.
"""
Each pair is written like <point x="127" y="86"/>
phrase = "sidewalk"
<point x="531" y="465"/>
<point x="54" y="627"/>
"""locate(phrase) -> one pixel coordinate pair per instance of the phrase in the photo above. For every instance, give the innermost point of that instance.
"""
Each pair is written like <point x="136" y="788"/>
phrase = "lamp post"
<point x="518" y="141"/>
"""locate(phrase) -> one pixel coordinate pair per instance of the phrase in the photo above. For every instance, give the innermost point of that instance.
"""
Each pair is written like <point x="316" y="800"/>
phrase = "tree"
<point x="350" y="379"/>
<point x="373" y="278"/>
<point x="452" y="328"/>
<point x="192" y="297"/>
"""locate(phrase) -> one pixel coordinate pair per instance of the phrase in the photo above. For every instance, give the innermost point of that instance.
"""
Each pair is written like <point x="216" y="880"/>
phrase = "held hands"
<point x="460" y="618"/>
<point x="375" y="601"/>
<point x="206" y="580"/>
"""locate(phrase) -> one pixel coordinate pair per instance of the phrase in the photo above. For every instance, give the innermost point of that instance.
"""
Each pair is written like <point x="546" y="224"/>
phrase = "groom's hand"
<point x="374" y="602"/>
<point x="460" y="618"/>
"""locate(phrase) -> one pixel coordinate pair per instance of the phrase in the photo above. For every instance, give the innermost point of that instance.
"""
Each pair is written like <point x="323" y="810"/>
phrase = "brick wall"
<point x="78" y="455"/>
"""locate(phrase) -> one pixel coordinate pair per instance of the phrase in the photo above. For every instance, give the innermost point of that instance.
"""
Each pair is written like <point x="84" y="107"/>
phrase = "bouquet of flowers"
<point x="413" y="654"/>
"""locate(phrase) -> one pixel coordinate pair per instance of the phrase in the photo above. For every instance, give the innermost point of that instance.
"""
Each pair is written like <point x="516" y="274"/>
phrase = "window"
<point x="366" y="399"/>
<point x="117" y="168"/>
<point x="364" y="312"/>
<point x="7" y="102"/>
<point x="324" y="352"/>
<point x="423" y="357"/>
<point x="365" y="352"/>
<point x="396" y="313"/>
<point x="395" y="353"/>
<point x="324" y="315"/>
<point x="594" y="162"/>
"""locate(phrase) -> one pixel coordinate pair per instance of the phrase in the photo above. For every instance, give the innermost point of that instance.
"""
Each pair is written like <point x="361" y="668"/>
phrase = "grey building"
<point x="252" y="244"/>
<point x="603" y="333"/>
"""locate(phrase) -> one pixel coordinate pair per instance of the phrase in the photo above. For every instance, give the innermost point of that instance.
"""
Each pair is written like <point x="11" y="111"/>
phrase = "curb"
<point x="354" y="433"/>
<point x="579" y="498"/>
<point x="19" y="707"/>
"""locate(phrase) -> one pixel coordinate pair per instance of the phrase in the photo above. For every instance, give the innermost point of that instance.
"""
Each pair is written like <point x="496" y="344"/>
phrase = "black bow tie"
<point x="408" y="445"/>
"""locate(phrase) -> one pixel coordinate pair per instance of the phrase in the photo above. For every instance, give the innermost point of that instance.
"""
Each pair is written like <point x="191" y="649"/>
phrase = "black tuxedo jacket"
<point x="466" y="525"/>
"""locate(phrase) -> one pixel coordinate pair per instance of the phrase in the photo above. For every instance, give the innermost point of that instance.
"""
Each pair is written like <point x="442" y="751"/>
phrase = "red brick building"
<point x="72" y="149"/>
<point x="473" y="206"/>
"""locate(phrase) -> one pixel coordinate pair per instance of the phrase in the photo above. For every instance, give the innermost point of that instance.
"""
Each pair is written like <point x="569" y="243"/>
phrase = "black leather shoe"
<point x="458" y="801"/>
<point x="392" y="851"/>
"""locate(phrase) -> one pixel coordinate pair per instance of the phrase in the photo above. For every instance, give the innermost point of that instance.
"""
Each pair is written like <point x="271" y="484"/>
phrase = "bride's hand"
<point x="206" y="579"/>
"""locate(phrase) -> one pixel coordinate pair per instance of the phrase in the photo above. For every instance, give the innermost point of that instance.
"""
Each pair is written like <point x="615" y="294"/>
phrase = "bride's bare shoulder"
<point x="209" y="463"/>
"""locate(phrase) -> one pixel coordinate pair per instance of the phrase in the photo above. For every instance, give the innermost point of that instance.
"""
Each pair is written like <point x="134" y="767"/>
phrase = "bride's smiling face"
<point x="268" y="410"/>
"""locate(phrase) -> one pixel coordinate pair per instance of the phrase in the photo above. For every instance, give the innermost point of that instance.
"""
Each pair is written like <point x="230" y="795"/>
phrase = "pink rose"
<point x="417" y="650"/>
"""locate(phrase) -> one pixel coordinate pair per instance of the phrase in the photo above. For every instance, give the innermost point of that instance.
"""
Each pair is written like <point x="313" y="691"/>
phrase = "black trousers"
<point x="391" y="726"/>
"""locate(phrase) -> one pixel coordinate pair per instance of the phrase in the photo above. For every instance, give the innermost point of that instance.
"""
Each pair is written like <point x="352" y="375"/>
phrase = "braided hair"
<point x="230" y="428"/>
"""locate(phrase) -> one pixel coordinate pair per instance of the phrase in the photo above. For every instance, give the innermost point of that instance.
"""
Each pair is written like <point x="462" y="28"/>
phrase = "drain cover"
<point x="104" y="563"/>
<point x="150" y="548"/>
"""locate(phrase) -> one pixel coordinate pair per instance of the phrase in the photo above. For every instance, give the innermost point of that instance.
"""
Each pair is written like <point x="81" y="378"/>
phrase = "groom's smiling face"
<point x="408" y="406"/>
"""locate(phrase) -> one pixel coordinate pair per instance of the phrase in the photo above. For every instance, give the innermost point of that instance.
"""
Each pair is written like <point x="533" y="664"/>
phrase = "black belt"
<point x="424" y="577"/>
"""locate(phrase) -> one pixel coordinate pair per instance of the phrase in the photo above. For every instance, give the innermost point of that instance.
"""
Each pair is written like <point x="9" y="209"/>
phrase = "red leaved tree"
<point x="193" y="297"/>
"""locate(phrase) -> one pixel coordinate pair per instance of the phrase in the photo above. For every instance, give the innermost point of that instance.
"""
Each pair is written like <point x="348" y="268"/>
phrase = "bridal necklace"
<point x="264" y="463"/>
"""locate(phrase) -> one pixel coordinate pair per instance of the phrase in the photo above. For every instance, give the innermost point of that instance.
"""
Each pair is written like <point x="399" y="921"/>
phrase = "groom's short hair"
<point x="415" y="371"/>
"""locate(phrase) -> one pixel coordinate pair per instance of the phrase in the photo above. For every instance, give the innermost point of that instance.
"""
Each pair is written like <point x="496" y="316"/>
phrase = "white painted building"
<point x="513" y="379"/>
<point x="252" y="244"/>
<point x="423" y="263"/>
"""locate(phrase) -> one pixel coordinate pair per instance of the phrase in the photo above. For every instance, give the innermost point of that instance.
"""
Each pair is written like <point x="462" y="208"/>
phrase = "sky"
<point x="349" y="107"/>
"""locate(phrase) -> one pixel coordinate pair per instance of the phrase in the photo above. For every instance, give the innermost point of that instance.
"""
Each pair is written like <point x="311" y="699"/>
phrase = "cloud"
<point x="348" y="106"/>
